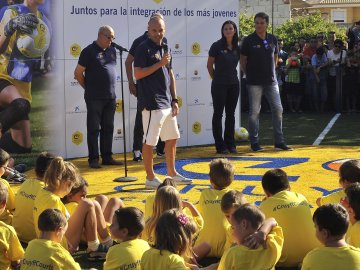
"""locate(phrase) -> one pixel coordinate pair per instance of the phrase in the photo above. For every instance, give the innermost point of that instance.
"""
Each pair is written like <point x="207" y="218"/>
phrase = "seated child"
<point x="231" y="201"/>
<point x="167" y="198"/>
<point x="248" y="220"/>
<point x="23" y="220"/>
<point x="7" y="215"/>
<point x="173" y="237"/>
<point x="127" y="225"/>
<point x="104" y="207"/>
<point x="349" y="173"/>
<point x="47" y="252"/>
<point x="352" y="205"/>
<point x="292" y="212"/>
<point x="149" y="203"/>
<point x="59" y="178"/>
<point x="215" y="224"/>
<point x="331" y="223"/>
<point x="11" y="249"/>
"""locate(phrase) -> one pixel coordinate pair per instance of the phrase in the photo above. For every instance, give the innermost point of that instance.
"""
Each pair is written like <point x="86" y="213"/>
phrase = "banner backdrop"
<point x="191" y="27"/>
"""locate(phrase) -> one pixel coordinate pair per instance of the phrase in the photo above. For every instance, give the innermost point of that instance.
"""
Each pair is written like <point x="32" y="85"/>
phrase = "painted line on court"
<point x="327" y="129"/>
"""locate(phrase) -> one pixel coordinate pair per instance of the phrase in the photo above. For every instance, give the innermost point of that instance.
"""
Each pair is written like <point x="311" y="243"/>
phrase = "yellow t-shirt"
<point x="7" y="215"/>
<point x="215" y="223"/>
<point x="240" y="257"/>
<point x="126" y="255"/>
<point x="46" y="254"/>
<point x="332" y="258"/>
<point x="149" y="206"/>
<point x="353" y="235"/>
<point x="10" y="247"/>
<point x="44" y="200"/>
<point x="292" y="212"/>
<point x="333" y="197"/>
<point x="230" y="241"/>
<point x="23" y="219"/>
<point x="71" y="207"/>
<point x="154" y="260"/>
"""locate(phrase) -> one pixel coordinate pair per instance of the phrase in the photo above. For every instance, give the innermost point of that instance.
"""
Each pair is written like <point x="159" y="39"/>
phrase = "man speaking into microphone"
<point x="96" y="73"/>
<point x="157" y="101"/>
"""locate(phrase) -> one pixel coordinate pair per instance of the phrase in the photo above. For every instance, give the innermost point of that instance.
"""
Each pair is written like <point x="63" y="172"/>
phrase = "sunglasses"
<point x="109" y="37"/>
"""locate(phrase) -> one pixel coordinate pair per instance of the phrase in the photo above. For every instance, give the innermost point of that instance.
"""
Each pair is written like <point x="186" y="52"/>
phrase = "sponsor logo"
<point x="334" y="165"/>
<point x="77" y="138"/>
<point x="196" y="102"/>
<point x="195" y="48"/>
<point x="119" y="135"/>
<point x="118" y="106"/>
<point x="179" y="76"/>
<point x="177" y="50"/>
<point x="196" y="127"/>
<point x="76" y="109"/>
<point x="157" y="1"/>
<point x="74" y="83"/>
<point x="196" y="76"/>
<point x="75" y="50"/>
<point x="180" y="101"/>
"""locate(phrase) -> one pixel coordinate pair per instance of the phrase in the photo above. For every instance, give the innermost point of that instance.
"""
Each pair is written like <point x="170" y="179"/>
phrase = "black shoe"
<point x="283" y="146"/>
<point x="94" y="164"/>
<point x="111" y="161"/>
<point x="160" y="154"/>
<point x="233" y="150"/>
<point x="137" y="157"/>
<point x="256" y="147"/>
<point x="222" y="151"/>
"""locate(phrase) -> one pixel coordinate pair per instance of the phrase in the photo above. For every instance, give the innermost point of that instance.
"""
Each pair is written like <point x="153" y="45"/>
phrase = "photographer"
<point x="335" y="56"/>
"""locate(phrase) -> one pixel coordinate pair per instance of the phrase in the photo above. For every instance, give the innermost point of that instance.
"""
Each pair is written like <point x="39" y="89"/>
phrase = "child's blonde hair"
<point x="174" y="232"/>
<point x="4" y="193"/>
<point x="166" y="198"/>
<point x="60" y="170"/>
<point x="221" y="172"/>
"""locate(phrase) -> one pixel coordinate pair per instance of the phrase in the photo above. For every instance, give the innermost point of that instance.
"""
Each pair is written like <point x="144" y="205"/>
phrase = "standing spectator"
<point x="224" y="55"/>
<point x="319" y="62"/>
<point x="320" y="39"/>
<point x="331" y="38"/>
<point x="353" y="34"/>
<point x="259" y="56"/>
<point x="308" y="53"/>
<point x="293" y="87"/>
<point x="96" y="73"/>
<point x="336" y="56"/>
<point x="158" y="102"/>
<point x="351" y="81"/>
<point x="280" y="68"/>
<point x="138" y="128"/>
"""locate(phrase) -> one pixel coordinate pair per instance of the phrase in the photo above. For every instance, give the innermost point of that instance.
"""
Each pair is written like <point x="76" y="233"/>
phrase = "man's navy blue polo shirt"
<point x="139" y="40"/>
<point x="226" y="62"/>
<point x="260" y="68"/>
<point x="100" y="71"/>
<point x="153" y="90"/>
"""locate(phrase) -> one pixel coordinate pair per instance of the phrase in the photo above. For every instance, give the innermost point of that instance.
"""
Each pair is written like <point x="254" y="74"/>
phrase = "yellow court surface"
<point x="312" y="171"/>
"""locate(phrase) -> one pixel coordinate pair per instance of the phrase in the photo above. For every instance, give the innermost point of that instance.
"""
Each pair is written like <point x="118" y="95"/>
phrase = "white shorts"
<point x="159" y="123"/>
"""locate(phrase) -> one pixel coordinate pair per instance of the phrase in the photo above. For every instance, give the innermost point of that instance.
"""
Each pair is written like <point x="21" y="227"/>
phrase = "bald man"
<point x="96" y="73"/>
<point x="157" y="101"/>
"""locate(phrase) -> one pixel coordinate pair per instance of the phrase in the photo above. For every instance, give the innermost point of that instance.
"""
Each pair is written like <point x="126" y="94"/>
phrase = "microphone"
<point x="165" y="48"/>
<point x="120" y="48"/>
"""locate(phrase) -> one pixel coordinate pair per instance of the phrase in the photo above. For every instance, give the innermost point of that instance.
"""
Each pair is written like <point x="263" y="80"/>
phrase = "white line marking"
<point x="327" y="129"/>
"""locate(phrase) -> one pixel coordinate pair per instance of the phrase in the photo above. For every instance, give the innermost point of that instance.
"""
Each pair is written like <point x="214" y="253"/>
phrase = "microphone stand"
<point x="125" y="178"/>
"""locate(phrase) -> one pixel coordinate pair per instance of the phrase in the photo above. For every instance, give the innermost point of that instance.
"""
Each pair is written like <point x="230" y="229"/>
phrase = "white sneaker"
<point x="181" y="180"/>
<point x="153" y="184"/>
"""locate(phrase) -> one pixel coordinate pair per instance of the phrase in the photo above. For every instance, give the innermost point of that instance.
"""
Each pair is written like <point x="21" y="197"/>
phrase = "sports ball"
<point x="241" y="134"/>
<point x="35" y="44"/>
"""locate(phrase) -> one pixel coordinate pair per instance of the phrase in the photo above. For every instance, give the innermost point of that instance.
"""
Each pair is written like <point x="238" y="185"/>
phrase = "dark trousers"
<point x="100" y="121"/>
<point x="224" y="97"/>
<point x="139" y="134"/>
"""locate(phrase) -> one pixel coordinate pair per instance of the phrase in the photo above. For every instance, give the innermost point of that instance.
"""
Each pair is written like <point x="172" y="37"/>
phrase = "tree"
<point x="307" y="26"/>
